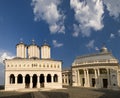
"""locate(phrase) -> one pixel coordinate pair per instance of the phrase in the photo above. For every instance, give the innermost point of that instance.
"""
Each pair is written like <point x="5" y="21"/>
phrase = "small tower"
<point x="33" y="50"/>
<point x="45" y="51"/>
<point x="21" y="49"/>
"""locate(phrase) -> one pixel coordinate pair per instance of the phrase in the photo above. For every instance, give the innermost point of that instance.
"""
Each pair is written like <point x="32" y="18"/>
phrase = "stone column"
<point x="96" y="78"/>
<point x="38" y="83"/>
<point x="88" y="78"/>
<point x="23" y="79"/>
<point x="31" y="82"/>
<point x="108" y="77"/>
<point x="15" y="79"/>
<point x="51" y="79"/>
<point x="79" y="83"/>
<point x="99" y="79"/>
<point x="85" y="84"/>
<point x="23" y="82"/>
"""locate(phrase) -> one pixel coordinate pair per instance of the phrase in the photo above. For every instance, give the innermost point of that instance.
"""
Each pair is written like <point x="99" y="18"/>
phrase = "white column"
<point x="31" y="84"/>
<point x="15" y="79"/>
<point x="51" y="79"/>
<point x="88" y="78"/>
<point x="108" y="77"/>
<point x="23" y="82"/>
<point x="23" y="79"/>
<point x="99" y="79"/>
<point x="96" y="77"/>
<point x="79" y="84"/>
<point x="38" y="84"/>
<point x="85" y="84"/>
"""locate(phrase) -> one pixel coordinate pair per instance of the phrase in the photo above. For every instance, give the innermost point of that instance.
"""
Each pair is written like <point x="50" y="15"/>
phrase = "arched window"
<point x="19" y="79"/>
<point x="55" y="78"/>
<point x="12" y="79"/>
<point x="48" y="78"/>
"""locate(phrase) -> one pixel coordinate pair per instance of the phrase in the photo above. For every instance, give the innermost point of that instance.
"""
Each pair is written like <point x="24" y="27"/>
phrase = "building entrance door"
<point x="105" y="83"/>
<point x="93" y="82"/>
<point x="83" y="81"/>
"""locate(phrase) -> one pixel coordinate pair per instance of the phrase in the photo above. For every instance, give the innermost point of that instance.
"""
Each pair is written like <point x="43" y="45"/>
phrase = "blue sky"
<point x="71" y="27"/>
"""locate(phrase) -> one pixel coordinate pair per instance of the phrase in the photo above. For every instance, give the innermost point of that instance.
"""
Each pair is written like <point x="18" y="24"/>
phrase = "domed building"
<point x="99" y="70"/>
<point x="32" y="68"/>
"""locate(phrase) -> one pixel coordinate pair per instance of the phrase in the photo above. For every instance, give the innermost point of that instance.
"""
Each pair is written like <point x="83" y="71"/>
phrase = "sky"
<point x="71" y="27"/>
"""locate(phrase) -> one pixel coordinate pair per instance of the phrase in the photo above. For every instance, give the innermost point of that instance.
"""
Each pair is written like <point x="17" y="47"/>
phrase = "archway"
<point x="55" y="78"/>
<point x="34" y="81"/>
<point x="27" y="81"/>
<point x="48" y="78"/>
<point x="42" y="80"/>
<point x="19" y="79"/>
<point x="12" y="79"/>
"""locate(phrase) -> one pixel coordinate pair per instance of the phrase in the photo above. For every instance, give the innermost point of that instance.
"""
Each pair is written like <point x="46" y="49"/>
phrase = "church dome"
<point x="103" y="49"/>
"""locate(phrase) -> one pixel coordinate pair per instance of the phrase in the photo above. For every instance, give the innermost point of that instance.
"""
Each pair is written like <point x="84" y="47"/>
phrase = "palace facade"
<point x="99" y="70"/>
<point x="32" y="68"/>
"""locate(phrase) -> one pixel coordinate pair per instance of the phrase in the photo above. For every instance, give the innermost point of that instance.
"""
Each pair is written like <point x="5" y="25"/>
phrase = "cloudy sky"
<point x="71" y="27"/>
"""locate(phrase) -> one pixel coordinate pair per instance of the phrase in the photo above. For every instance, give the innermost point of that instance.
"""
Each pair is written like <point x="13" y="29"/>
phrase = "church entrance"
<point x="93" y="82"/>
<point x="83" y="81"/>
<point x="41" y="80"/>
<point x="27" y="81"/>
<point x="105" y="83"/>
<point x="34" y="81"/>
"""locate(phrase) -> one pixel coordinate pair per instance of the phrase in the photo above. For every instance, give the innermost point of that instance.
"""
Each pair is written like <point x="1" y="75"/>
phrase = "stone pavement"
<point x="74" y="92"/>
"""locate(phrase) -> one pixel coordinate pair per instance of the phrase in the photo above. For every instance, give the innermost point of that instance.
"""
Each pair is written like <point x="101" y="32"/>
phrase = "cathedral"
<point x="32" y="68"/>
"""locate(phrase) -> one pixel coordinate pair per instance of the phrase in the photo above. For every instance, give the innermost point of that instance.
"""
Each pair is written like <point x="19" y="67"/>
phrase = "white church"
<point x="32" y="68"/>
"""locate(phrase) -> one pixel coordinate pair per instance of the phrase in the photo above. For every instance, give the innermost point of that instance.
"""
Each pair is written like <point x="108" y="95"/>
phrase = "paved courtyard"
<point x="74" y="92"/>
<point x="77" y="92"/>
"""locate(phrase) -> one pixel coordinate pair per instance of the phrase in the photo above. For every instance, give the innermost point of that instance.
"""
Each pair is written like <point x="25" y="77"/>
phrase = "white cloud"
<point x="113" y="6"/>
<point x="48" y="11"/>
<point x="90" y="44"/>
<point x="118" y="32"/>
<point x="56" y="44"/>
<point x="76" y="30"/>
<point x="97" y="49"/>
<point x="112" y="35"/>
<point x="1" y="74"/>
<point x="5" y="55"/>
<point x="88" y="14"/>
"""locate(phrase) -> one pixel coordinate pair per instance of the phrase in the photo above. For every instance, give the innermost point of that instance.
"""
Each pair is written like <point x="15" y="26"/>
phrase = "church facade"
<point x="99" y="70"/>
<point x="32" y="68"/>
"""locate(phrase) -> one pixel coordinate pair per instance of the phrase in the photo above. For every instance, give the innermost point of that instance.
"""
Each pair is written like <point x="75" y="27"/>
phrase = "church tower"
<point x="33" y="50"/>
<point x="45" y="51"/>
<point x="21" y="49"/>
